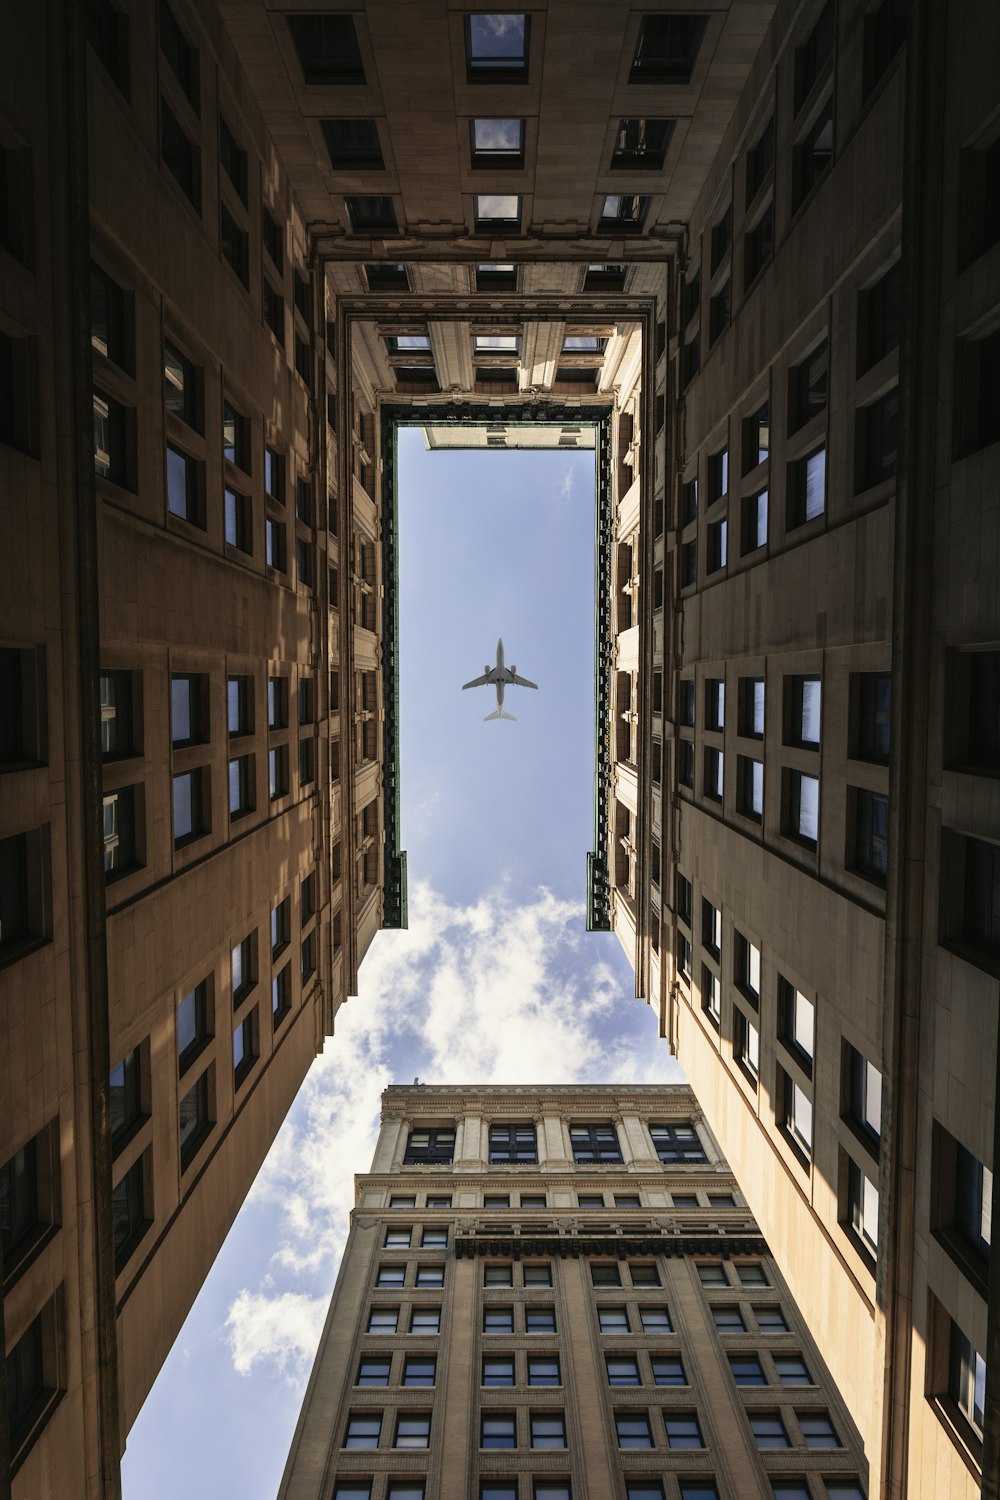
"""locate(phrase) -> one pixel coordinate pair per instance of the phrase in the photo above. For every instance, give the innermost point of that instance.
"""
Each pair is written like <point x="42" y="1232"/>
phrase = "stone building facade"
<point x="561" y="1292"/>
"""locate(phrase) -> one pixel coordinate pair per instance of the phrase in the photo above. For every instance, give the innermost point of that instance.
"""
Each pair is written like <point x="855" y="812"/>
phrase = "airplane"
<point x="501" y="677"/>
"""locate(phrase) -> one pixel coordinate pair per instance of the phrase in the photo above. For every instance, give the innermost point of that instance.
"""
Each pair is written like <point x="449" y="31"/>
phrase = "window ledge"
<point x="961" y="1432"/>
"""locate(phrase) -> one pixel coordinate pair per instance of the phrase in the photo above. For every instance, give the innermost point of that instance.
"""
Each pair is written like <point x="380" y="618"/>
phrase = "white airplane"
<point x="501" y="677"/>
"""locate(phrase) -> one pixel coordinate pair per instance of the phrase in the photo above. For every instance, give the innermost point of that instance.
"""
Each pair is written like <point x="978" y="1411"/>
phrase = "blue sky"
<point x="496" y="980"/>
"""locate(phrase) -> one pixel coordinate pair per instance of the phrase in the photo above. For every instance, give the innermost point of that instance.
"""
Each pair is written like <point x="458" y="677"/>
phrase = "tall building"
<point x="751" y="251"/>
<point x="560" y="1293"/>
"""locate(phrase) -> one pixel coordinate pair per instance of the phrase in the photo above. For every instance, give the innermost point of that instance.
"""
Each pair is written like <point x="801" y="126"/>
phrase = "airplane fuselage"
<point x="500" y="677"/>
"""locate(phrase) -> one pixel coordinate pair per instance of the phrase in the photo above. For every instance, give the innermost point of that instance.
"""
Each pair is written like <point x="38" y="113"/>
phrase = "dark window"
<point x="758" y="245"/>
<point x="20" y="1219"/>
<point x="281" y="995"/>
<point x="885" y="33"/>
<point x="613" y="1320"/>
<point x="812" y="56"/>
<point x="543" y="1369"/>
<point x="107" y="33"/>
<point x="594" y="1143"/>
<point x="281" y="926"/>
<point x="874" y="713"/>
<point x="871" y="834"/>
<point x="274" y="310"/>
<point x="121" y="851"/>
<point x="719" y="309"/>
<point x="239" y="521"/>
<point x="235" y="437"/>
<point x="180" y="54"/>
<point x="496" y="278"/>
<point x="603" y="278"/>
<point x="690" y="359"/>
<point x="981" y="927"/>
<point x="26" y="1384"/>
<point x="792" y="1369"/>
<point x="547" y="1429"/>
<point x="513" y="1144"/>
<point x="353" y="144"/>
<point x="807" y="388"/>
<point x="539" y="1319"/>
<point x="717" y="546"/>
<point x="373" y="1371"/>
<point x="497" y="1430"/>
<point x="420" y="1369"/>
<point x="233" y="159"/>
<point x="185" y="489"/>
<point x="879" y="316"/>
<point x="126" y="1098"/>
<point x="129" y="1215"/>
<point x="973" y="1201"/>
<point x="977" y="416"/>
<point x="110" y="319"/>
<point x="984" y="709"/>
<point x="747" y="1369"/>
<point x="497" y="142"/>
<point x="682" y="1429"/>
<point x="496" y="47"/>
<point x="623" y="1369"/>
<point x="817" y="1429"/>
<point x="234" y="245"/>
<point x="756" y="437"/>
<point x="750" y="787"/>
<point x="274" y="545"/>
<point x="195" y="1119"/>
<point x="979" y="188"/>
<point x="633" y="1430"/>
<point x="806" y="488"/>
<point x="435" y="1145"/>
<point x="804" y="701"/>
<point x="273" y="235"/>
<point x="387" y="278"/>
<point x="192" y="1024"/>
<point x="241" y="785"/>
<point x="243" y="968"/>
<point x="760" y="160"/>
<point x="327" y="48"/>
<point x="363" y="1430"/>
<point x="180" y="156"/>
<point x="677" y="1143"/>
<point x="876" y="440"/>
<point x="768" y="1430"/>
<point x="666" y="48"/>
<point x="641" y="143"/>
<point x="374" y="211"/>
<point x="622" y="213"/>
<point x="181" y="387"/>
<point x="118" y="739"/>
<point x="189" y="720"/>
<point x="721" y="241"/>
<point x="864" y="1095"/>
<point x="114" y="438"/>
<point x="498" y="1319"/>
<point x="240" y="705"/>
<point x="813" y="155"/>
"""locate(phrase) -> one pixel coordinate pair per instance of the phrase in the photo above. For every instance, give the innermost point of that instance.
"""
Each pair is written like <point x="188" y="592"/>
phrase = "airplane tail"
<point x="500" y="714"/>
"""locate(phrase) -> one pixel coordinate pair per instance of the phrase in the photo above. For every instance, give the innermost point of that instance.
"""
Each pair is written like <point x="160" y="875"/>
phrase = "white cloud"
<point x="566" y="488"/>
<point x="492" y="992"/>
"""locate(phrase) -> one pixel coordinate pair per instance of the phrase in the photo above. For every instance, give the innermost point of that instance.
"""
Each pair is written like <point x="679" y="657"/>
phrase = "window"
<point x="22" y="717"/>
<point x="689" y="565"/>
<point x="281" y="926"/>
<point x="192" y="1023"/>
<point x="125" y="1100"/>
<point x="797" y="1114"/>
<point x="498" y="1320"/>
<point x="274" y="310"/>
<point x="685" y="701"/>
<point x="413" y="1430"/>
<point x="496" y="1200"/>
<point x="714" y="773"/>
<point x="754" y="521"/>
<point x="181" y="55"/>
<point x="721" y="240"/>
<point x="604" y="1276"/>
<point x="979" y="173"/>
<point x="194" y="1119"/>
<point x="797" y="1021"/>
<point x="594" y="1143"/>
<point x="496" y="47"/>
<point x="875" y="441"/>
<point x="497" y="212"/>
<point x="719" y="311"/>
<point x="114" y="424"/>
<point x="633" y="1430"/>
<point x="498" y="1489"/>
<point x="862" y="1206"/>
<point x="747" y="1045"/>
<point x="668" y="1369"/>
<point x="180" y="156"/>
<point x="711" y="995"/>
<point x="543" y="1369"/>
<point x="683" y="1430"/>
<point x="363" y="1430"/>
<point x="239" y="521"/>
<point x="666" y="48"/>
<point x="373" y="1371"/>
<point x="383" y="1319"/>
<point x="352" y="144"/>
<point x="802" y="820"/>
<point x="374" y="212"/>
<point x="235" y="437"/>
<point x="675" y="1144"/>
<point x="654" y="1319"/>
<point x="728" y="1319"/>
<point x="871" y="833"/>
<point x="750" y="787"/>
<point x="758" y="245"/>
<point x="747" y="1369"/>
<point x="497" y="142"/>
<point x="641" y="143"/>
<point x="277" y="772"/>
<point x="710" y="1273"/>
<point x="387" y="278"/>
<point x="107" y="33"/>
<point x="496" y="278"/>
<point x="434" y="1238"/>
<point x="813" y="155"/>
<point x="590" y="1200"/>
<point x="718" y="475"/>
<point x="627" y="1200"/>
<point x="711" y="927"/>
<point x="967" y="1379"/>
<point x="235" y="245"/>
<point x="425" y="1320"/>
<point x="770" y="1319"/>
<point x="844" y="1489"/>
<point x="539" y="1275"/>
<point x="436" y="1145"/>
<point x="111" y="320"/>
<point x="746" y="967"/>
<point x="717" y="545"/>
<point x="768" y="1429"/>
<point x="817" y="1429"/>
<point x="871" y="694"/>
<point x="539" y="1319"/>
<point x="398" y="1239"/>
<point x="973" y="1201"/>
<point x="689" y="507"/>
<point x="622" y="213"/>
<point x="28" y="1387"/>
<point x="497" y="1430"/>
<point x="864" y="1094"/>
<point x="807" y="390"/>
<point x="879" y="313"/>
<point x="244" y="1046"/>
<point x="981" y="926"/>
<point x="185" y="491"/>
<point x="751" y="1273"/>
<point x="760" y="160"/>
<point x="121" y="847"/>
<point x="21" y="1220"/>
<point x="806" y="488"/>
<point x="429" y="1276"/>
<point x="547" y="1429"/>
<point x="612" y="1320"/>
<point x="513" y="1144"/>
<point x="327" y="48"/>
<point x="885" y="33"/>
<point x="792" y="1369"/>
<point x="623" y="1369"/>
<point x="281" y="995"/>
<point x="498" y="1369"/>
<point x="644" y="1489"/>
<point x="756" y="437"/>
<point x="241" y="785"/>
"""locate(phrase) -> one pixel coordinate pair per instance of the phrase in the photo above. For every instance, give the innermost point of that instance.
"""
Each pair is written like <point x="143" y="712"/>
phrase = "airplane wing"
<point x="476" y="682"/>
<point x="522" y="682"/>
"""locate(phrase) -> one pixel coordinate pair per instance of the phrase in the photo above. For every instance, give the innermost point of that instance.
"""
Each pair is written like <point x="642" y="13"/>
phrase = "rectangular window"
<point x="363" y="1430"/>
<point x="511" y="1144"/>
<point x="719" y="312"/>
<point x="594" y="1143"/>
<point x="806" y="488"/>
<point x="875" y="441"/>
<point x="802" y="820"/>
<point x="813" y="155"/>
<point x="274" y="545"/>
<point x="641" y="143"/>
<point x="353" y="144"/>
<point x="108" y="35"/>
<point x="862" y="1206"/>
<point x="622" y="1369"/>
<point x="711" y="995"/>
<point x="538" y="1275"/>
<point x="539" y="1319"/>
<point x="768" y="1430"/>
<point x="797" y="1114"/>
<point x="383" y="1320"/>
<point x="429" y="1276"/>
<point x="884" y="35"/>
<point x="756" y="437"/>
<point x="277" y="772"/>
<point x="497" y="142"/>
<point x="879" y="315"/>
<point x="373" y="212"/>
<point x="666" y="48"/>
<point x="497" y="212"/>
<point x="747" y="1045"/>
<point x="420" y="1369"/>
<point x="797" y="1021"/>
<point x="235" y="437"/>
<point x="240" y="716"/>
<point x="496" y="47"/>
<point x="185" y="489"/>
<point x="180" y="156"/>
<point x="633" y="1430"/>
<point x="792" y="1369"/>
<point x="498" y="1320"/>
<point x="114" y="425"/>
<point x="760" y="160"/>
<point x="21" y="1219"/>
<point x="373" y="1371"/>
<point x="543" y="1369"/>
<point x="817" y="1429"/>
<point x="807" y="388"/>
<point x="194" y="1119"/>
<point x="750" y="787"/>
<point x="967" y="1379"/>
<point x="746" y="968"/>
<point x="981" y="924"/>
<point x="683" y="1430"/>
<point x="239" y="521"/>
<point x="714" y="773"/>
<point x="413" y="1430"/>
<point x="612" y="1320"/>
<point x="497" y="1430"/>
<point x="604" y="1276"/>
<point x="747" y="1369"/>
<point x="871" y="833"/>
<point x="425" y="1320"/>
<point x="193" y="1028"/>
<point x="241" y="785"/>
<point x="281" y="995"/>
<point x="668" y="1369"/>
<point x="244" y="1047"/>
<point x="863" y="1091"/>
<point x="327" y="48"/>
<point x="728" y="1319"/>
<point x="125" y="1099"/>
<point x="498" y="1369"/>
<point x="717" y="545"/>
<point x="437" y="1145"/>
<point x="120" y="832"/>
<point x="622" y="213"/>
<point x="191" y="806"/>
<point x="654" y="1319"/>
<point x="758" y="247"/>
<point x="28" y="1389"/>
<point x="243" y="968"/>
<point x="754" y="521"/>
<point x="871" y="699"/>
<point x="111" y="333"/>
<point x="496" y="278"/>
<point x="547" y="1429"/>
<point x="675" y="1144"/>
<point x="234" y="244"/>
